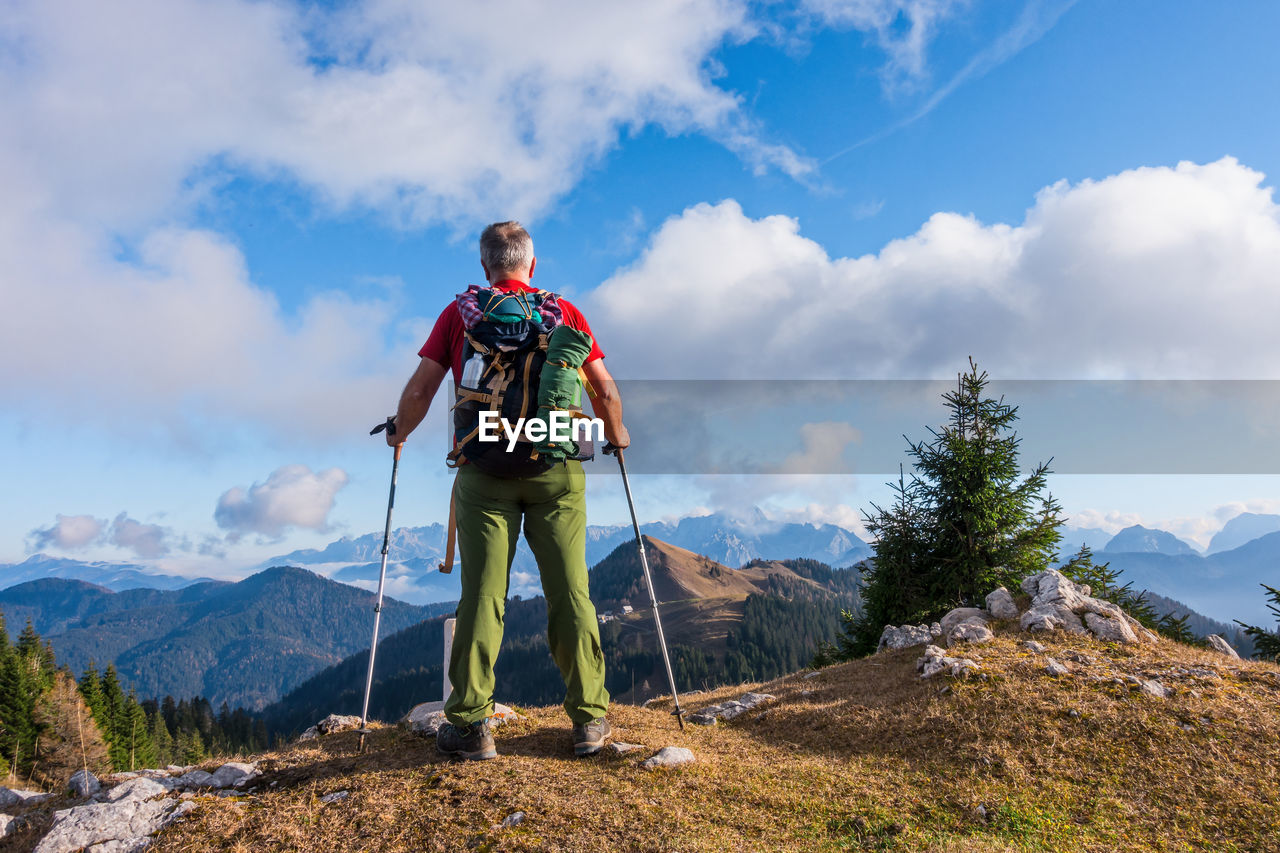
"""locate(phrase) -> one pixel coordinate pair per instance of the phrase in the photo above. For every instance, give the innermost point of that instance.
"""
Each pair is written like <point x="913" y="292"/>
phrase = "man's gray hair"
<point x="506" y="247"/>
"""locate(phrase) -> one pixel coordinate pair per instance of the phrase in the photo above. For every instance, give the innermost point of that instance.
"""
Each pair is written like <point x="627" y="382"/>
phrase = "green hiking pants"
<point x="488" y="513"/>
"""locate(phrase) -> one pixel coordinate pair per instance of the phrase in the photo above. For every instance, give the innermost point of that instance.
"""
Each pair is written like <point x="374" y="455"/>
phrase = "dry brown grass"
<point x="864" y="756"/>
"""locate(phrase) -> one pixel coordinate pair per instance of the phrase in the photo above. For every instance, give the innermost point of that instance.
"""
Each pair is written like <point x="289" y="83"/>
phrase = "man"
<point x="489" y="511"/>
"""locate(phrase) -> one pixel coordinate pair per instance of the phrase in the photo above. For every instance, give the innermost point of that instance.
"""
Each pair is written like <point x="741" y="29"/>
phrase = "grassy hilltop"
<point x="861" y="756"/>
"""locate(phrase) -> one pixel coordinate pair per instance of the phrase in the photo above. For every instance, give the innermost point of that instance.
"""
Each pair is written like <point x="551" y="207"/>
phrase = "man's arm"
<point x="607" y="404"/>
<point x="416" y="399"/>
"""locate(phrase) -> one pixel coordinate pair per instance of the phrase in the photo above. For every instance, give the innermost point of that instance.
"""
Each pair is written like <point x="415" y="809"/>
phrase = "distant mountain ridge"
<point x="114" y="576"/>
<point x="415" y="551"/>
<point x="245" y="643"/>
<point x="1243" y="529"/>
<point x="1139" y="539"/>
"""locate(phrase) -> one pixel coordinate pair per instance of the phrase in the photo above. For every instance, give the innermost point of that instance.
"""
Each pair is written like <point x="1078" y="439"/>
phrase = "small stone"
<point x="513" y="819"/>
<point x="981" y="810"/>
<point x="810" y="675"/>
<point x="335" y="723"/>
<point x="335" y="796"/>
<point x="1052" y="667"/>
<point x="1218" y="644"/>
<point x="84" y="784"/>
<point x="892" y="638"/>
<point x="622" y="748"/>
<point x="971" y="631"/>
<point x="1033" y="646"/>
<point x="1154" y="688"/>
<point x="668" y="757"/>
<point x="959" y="615"/>
<point x="233" y="774"/>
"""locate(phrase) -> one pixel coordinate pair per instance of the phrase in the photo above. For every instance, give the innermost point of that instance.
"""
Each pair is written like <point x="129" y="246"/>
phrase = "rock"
<point x="335" y="723"/>
<point x="905" y="637"/>
<point x="309" y="734"/>
<point x="1110" y="628"/>
<point x="1220" y="645"/>
<point x="1051" y="617"/>
<point x="1052" y="667"/>
<point x="233" y="774"/>
<point x="513" y="819"/>
<point x="728" y="710"/>
<point x="335" y="796"/>
<point x="962" y="614"/>
<point x="667" y="757"/>
<point x="195" y="779"/>
<point x="122" y="825"/>
<point x="84" y="784"/>
<point x="935" y="661"/>
<point x="5" y="822"/>
<point x="141" y="788"/>
<point x="1035" y="647"/>
<point x="1153" y="688"/>
<point x="1000" y="604"/>
<point x="175" y="770"/>
<point x="811" y="675"/>
<point x="1053" y="587"/>
<point x="970" y="631"/>
<point x="935" y="630"/>
<point x="18" y="797"/>
<point x="427" y="718"/>
<point x="622" y="748"/>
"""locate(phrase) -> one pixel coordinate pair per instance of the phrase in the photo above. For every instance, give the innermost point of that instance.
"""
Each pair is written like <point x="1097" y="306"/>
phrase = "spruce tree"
<point x="115" y="722"/>
<point x="162" y="740"/>
<point x="964" y="522"/>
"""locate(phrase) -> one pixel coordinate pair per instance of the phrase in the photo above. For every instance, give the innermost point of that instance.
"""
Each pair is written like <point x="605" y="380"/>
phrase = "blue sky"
<point x="227" y="226"/>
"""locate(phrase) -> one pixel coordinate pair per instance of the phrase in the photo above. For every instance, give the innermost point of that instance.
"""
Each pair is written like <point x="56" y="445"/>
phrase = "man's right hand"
<point x="619" y="437"/>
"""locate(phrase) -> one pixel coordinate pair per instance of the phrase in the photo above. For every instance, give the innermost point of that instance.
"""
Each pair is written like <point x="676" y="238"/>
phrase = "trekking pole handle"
<point x="389" y="426"/>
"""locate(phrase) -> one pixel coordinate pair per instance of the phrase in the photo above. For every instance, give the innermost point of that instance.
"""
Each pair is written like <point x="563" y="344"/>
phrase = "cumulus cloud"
<point x="291" y="497"/>
<point x="1153" y="273"/>
<point x="68" y="533"/>
<point x="145" y="540"/>
<point x="421" y="112"/>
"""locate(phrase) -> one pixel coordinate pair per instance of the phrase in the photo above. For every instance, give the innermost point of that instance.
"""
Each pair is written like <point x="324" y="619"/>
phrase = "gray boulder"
<point x="962" y="614"/>
<point x="904" y="637"/>
<point x="668" y="757"/>
<point x="84" y="784"/>
<point x="426" y="718"/>
<point x="140" y="788"/>
<point x="970" y="631"/>
<point x="935" y="662"/>
<point x="1000" y="604"/>
<point x="17" y="797"/>
<point x="1110" y="628"/>
<point x="1218" y="644"/>
<point x="195" y="779"/>
<point x="233" y="774"/>
<point x="124" y="825"/>
<point x="1052" y="667"/>
<point x="1051" y="617"/>
<point x="6" y="822"/>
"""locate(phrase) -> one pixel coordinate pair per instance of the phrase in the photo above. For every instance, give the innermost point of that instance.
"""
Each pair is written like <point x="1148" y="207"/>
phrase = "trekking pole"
<point x="390" y="427"/>
<point x="648" y="579"/>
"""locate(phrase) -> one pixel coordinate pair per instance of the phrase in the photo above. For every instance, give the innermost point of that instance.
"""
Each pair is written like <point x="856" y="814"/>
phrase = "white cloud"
<point x="291" y="497"/>
<point x="145" y="540"/>
<point x="118" y="117"/>
<point x="429" y="110"/>
<point x="68" y="533"/>
<point x="1151" y="273"/>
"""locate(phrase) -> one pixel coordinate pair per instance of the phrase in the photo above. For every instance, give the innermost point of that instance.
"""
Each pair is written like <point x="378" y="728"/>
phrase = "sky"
<point x="227" y="226"/>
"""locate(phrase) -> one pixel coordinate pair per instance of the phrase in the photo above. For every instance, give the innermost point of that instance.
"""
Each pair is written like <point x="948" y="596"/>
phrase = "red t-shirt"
<point x="444" y="345"/>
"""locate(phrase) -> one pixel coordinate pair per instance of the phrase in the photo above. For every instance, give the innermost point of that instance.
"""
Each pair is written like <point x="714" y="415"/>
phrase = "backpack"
<point x="502" y="359"/>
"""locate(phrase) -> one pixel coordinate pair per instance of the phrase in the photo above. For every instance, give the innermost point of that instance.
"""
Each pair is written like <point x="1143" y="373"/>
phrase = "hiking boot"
<point x="589" y="738"/>
<point x="473" y="742"/>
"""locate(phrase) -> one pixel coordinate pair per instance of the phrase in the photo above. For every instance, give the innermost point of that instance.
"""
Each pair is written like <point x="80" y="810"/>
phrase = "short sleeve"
<point x="446" y="336"/>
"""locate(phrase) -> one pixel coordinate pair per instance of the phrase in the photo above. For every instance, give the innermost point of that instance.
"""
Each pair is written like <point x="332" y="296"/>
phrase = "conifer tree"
<point x="162" y="740"/>
<point x="135" y="732"/>
<point x="965" y="522"/>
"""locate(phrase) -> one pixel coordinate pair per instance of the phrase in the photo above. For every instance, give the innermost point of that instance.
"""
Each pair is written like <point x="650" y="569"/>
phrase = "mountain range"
<point x="244" y="643"/>
<point x="416" y="551"/>
<point x="723" y="625"/>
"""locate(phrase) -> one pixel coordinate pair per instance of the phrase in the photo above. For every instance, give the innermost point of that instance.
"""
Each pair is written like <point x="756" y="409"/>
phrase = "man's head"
<point x="506" y="251"/>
